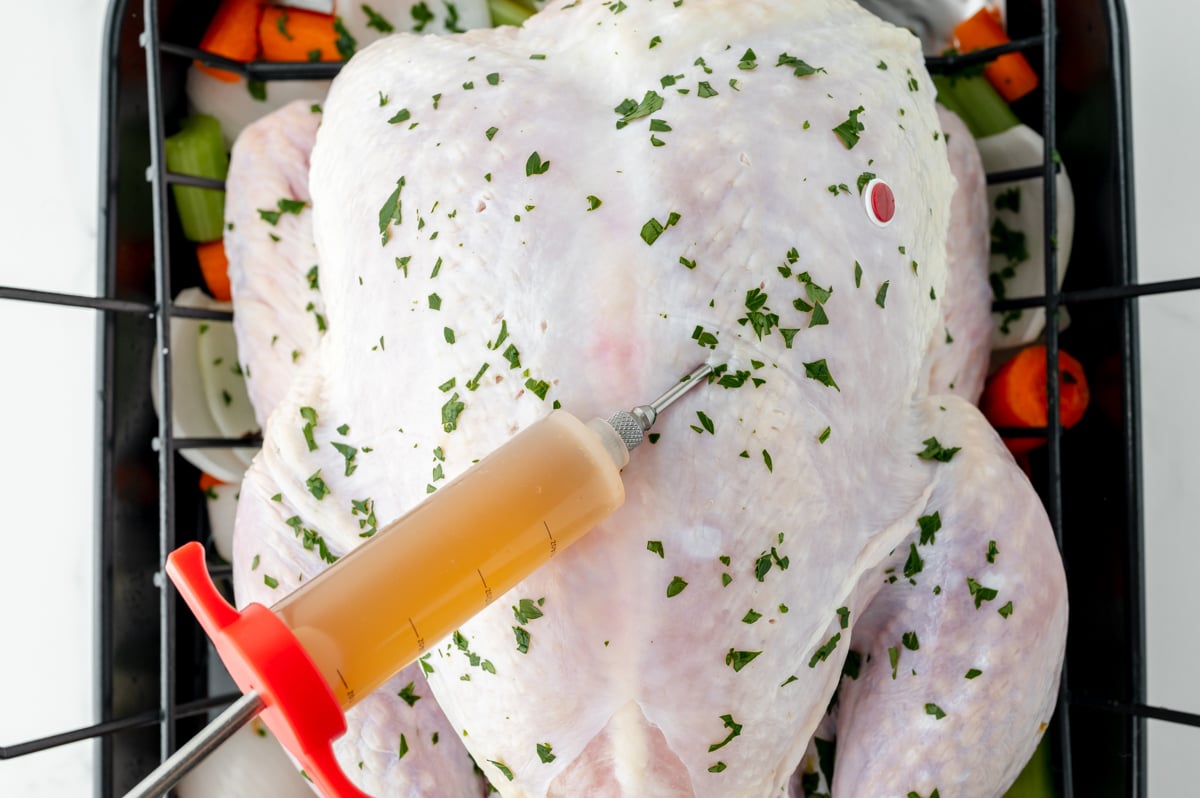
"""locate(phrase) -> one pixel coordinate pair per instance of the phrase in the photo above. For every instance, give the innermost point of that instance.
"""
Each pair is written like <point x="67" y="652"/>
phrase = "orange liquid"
<point x="417" y="580"/>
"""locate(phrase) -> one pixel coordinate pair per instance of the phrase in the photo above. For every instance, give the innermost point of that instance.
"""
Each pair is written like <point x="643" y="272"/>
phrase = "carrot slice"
<point x="208" y="482"/>
<point x="290" y="34"/>
<point x="1011" y="74"/>
<point x="1015" y="395"/>
<point x="232" y="34"/>
<point x="214" y="267"/>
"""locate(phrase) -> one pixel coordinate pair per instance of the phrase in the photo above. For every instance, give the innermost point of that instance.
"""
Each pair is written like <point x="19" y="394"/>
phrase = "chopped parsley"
<point x="935" y="451"/>
<point x="503" y="768"/>
<point x="735" y="730"/>
<point x="316" y="486"/>
<point x="676" y="587"/>
<point x="935" y="710"/>
<point x="630" y="109"/>
<point x="980" y="593"/>
<point x="347" y="452"/>
<point x="929" y="525"/>
<point x="656" y="547"/>
<point x="407" y="695"/>
<point x="544" y="754"/>
<point x="537" y="387"/>
<point x="751" y="616"/>
<point x="914" y="564"/>
<point x="910" y="641"/>
<point x="390" y="212"/>
<point x="848" y="132"/>
<point x="270" y="581"/>
<point x="799" y="68"/>
<point x="822" y="653"/>
<point x="971" y="674"/>
<point x="451" y="411"/>
<point x="749" y="60"/>
<point x="843" y="614"/>
<point x="992" y="551"/>
<point x="345" y="44"/>
<point x="534" y="165"/>
<point x="310" y="422"/>
<point x="819" y="370"/>
<point x="1006" y="610"/>
<point x="705" y="422"/>
<point x="593" y="202"/>
<point x="740" y="659"/>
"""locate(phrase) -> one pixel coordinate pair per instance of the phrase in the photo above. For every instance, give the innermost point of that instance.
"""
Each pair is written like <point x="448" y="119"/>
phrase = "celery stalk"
<point x="978" y="104"/>
<point x="509" y="12"/>
<point x="198" y="149"/>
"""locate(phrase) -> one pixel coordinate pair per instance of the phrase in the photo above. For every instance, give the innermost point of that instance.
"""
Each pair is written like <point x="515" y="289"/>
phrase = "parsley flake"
<point x="656" y="547"/>
<point x="740" y="659"/>
<point x="799" y="68"/>
<point x="848" y="131"/>
<point x="676" y="587"/>
<point x="535" y="166"/>
<point x="980" y="593"/>
<point x="935" y="451"/>
<point x="543" y="752"/>
<point x="819" y="370"/>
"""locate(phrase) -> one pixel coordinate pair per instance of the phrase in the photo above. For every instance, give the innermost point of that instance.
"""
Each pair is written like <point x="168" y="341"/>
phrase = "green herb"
<point x="503" y="768"/>
<point x="705" y="422"/>
<point x="316" y="486"/>
<point x="748" y="61"/>
<point x="935" y="451"/>
<point x="704" y="89"/>
<point x="390" y="212"/>
<point x="422" y="16"/>
<point x="310" y="422"/>
<point x="270" y="581"/>
<point x="513" y="356"/>
<point x="971" y="674"/>
<point x="450" y="412"/>
<point x="376" y="20"/>
<point x="501" y="338"/>
<point x="656" y="547"/>
<point x="493" y="78"/>
<point x="740" y="659"/>
<point x="473" y="383"/>
<point x="543" y="752"/>
<point x="522" y="637"/>
<point x="593" y="202"/>
<point x="655" y="42"/>
<point x="894" y="659"/>
<point x="735" y="730"/>
<point x="1009" y="243"/>
<point x="819" y="370"/>
<point x="725" y="580"/>
<point x="345" y="44"/>
<point x="935" y="710"/>
<point x="767" y="461"/>
<point x="822" y="653"/>
<point x="526" y="610"/>
<point x="448" y="334"/>
<point x="435" y="302"/>
<point x="676" y="587"/>
<point x="349" y="453"/>
<point x="1006" y="610"/>
<point x="257" y="90"/>
<point x="535" y="166"/>
<point x="1009" y="200"/>
<point x="857" y="274"/>
<point x="910" y="641"/>
<point x="491" y="132"/>
<point x="751" y="616"/>
<point x="538" y="387"/>
<point x="717" y="768"/>
<point x="651" y="230"/>
<point x="824" y="436"/>
<point x="818" y="316"/>
<point x="407" y="695"/>
<point x="914" y="564"/>
<point x="402" y="264"/>
<point x="448" y="384"/>
<point x="863" y="180"/>
<point x="848" y="131"/>
<point x="980" y="593"/>
<point x="843" y="614"/>
<point x="992" y="551"/>
<point x="929" y="525"/>
<point x="631" y="110"/>
<point x="799" y="68"/>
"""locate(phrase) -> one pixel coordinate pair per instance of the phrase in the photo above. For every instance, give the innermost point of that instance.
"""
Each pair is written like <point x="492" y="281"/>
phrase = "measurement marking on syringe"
<point x="487" y="591"/>
<point x="420" y="640"/>
<point x="349" y="692"/>
<point x="553" y="542"/>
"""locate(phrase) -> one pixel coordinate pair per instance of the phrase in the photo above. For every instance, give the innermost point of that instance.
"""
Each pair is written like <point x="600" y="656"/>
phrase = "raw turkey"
<point x="576" y="213"/>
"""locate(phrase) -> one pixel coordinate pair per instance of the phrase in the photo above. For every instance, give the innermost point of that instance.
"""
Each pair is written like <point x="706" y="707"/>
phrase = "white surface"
<point x="1170" y="346"/>
<point x="49" y="159"/>
<point x="48" y="220"/>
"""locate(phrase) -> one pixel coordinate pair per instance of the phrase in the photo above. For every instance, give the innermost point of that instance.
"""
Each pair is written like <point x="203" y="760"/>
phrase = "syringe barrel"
<point x="417" y="580"/>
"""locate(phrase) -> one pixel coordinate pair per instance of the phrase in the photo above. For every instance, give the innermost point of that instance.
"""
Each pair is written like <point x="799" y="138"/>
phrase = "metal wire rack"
<point x="152" y="666"/>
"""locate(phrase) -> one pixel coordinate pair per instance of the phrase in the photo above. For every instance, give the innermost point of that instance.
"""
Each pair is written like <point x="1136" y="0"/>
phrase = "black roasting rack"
<point x="152" y="668"/>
